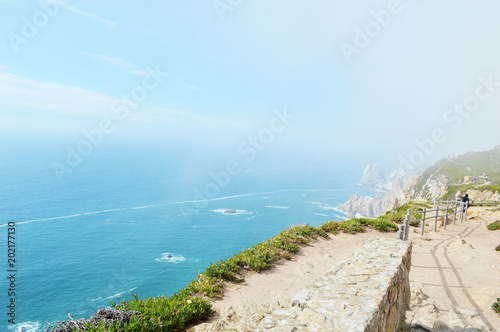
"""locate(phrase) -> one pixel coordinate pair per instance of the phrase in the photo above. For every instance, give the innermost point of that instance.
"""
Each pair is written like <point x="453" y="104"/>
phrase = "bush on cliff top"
<point x="494" y="226"/>
<point x="190" y="305"/>
<point x="496" y="305"/>
<point x="399" y="214"/>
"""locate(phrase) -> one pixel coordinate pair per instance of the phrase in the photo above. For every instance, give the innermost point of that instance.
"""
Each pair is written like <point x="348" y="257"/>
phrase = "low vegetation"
<point x="399" y="214"/>
<point x="496" y="305"/>
<point x="494" y="226"/>
<point x="192" y="304"/>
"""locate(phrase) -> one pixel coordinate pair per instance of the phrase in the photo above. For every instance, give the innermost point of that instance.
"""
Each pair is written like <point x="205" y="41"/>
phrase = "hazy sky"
<point x="310" y="78"/>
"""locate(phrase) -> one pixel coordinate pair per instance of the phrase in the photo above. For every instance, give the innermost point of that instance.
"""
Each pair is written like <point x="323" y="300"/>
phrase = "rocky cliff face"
<point x="373" y="176"/>
<point x="370" y="207"/>
<point x="468" y="172"/>
<point x="483" y="196"/>
<point x="378" y="204"/>
<point x="435" y="187"/>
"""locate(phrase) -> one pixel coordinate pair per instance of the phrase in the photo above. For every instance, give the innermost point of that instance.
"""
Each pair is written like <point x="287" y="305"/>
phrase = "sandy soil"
<point x="286" y="279"/>
<point x="455" y="275"/>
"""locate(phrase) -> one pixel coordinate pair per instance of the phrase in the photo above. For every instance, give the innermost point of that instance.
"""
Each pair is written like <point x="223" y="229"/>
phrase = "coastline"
<point x="470" y="251"/>
<point x="320" y="249"/>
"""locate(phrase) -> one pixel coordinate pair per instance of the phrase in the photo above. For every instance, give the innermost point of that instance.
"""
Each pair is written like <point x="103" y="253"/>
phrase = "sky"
<point x="310" y="81"/>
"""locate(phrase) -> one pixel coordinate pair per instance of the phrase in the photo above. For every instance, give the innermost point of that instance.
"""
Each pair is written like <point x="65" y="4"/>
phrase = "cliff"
<point x="474" y="173"/>
<point x="378" y="204"/>
<point x="373" y="176"/>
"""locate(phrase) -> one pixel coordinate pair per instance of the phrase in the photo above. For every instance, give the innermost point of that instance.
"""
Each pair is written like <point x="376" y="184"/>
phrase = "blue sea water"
<point x="131" y="222"/>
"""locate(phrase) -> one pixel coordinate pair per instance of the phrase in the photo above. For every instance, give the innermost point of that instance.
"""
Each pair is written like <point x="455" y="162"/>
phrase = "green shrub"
<point x="496" y="305"/>
<point x="205" y="285"/>
<point x="331" y="227"/>
<point x="497" y="248"/>
<point x="163" y="313"/>
<point x="352" y="226"/>
<point x="380" y="225"/>
<point x="223" y="270"/>
<point x="286" y="244"/>
<point x="494" y="226"/>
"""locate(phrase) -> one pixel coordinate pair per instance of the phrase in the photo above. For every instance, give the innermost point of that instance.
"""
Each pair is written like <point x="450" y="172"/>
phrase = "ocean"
<point x="135" y="221"/>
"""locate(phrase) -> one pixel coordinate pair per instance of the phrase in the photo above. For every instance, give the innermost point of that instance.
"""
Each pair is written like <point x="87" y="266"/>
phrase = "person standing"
<point x="465" y="202"/>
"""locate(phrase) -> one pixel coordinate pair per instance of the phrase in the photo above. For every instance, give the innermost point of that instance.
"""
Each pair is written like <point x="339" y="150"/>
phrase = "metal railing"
<point x="441" y="205"/>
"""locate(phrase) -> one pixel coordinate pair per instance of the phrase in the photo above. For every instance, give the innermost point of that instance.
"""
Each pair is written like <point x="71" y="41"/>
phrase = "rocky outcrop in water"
<point x="373" y="176"/>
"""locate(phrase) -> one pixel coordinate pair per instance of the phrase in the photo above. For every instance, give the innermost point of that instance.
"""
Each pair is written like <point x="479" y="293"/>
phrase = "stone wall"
<point x="367" y="291"/>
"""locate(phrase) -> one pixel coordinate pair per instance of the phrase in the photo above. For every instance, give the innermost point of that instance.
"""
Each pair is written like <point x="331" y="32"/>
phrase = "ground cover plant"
<point x="494" y="226"/>
<point x="496" y="305"/>
<point x="192" y="304"/>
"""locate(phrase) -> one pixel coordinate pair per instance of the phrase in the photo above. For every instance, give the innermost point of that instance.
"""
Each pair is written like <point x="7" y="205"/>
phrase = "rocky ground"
<point x="455" y="277"/>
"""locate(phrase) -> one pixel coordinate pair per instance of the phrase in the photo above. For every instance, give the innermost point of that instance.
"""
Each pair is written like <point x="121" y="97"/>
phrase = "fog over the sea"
<point x="309" y="83"/>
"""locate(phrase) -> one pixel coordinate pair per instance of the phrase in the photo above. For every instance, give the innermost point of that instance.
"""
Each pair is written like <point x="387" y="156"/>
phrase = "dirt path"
<point x="455" y="274"/>
<point x="286" y="279"/>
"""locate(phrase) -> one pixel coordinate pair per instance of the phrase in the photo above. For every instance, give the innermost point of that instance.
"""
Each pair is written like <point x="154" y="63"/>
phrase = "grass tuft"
<point x="494" y="226"/>
<point x="496" y="305"/>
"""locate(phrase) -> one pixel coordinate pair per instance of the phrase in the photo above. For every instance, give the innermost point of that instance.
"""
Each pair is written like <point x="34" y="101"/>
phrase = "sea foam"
<point x="170" y="258"/>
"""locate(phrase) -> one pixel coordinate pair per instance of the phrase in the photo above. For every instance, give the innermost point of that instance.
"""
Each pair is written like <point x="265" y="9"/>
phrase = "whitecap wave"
<point x="170" y="258"/>
<point x="341" y="217"/>
<point x="339" y="210"/>
<point x="25" y="327"/>
<point x="328" y="207"/>
<point x="317" y="190"/>
<point x="140" y="207"/>
<point x="229" y="197"/>
<point x="117" y="295"/>
<point x="66" y="217"/>
<point x="231" y="212"/>
<point x="277" y="207"/>
<point x="320" y="214"/>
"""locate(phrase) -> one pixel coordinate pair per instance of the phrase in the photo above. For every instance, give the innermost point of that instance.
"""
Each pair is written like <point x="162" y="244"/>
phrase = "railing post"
<point x="436" y="219"/>
<point x="461" y="211"/>
<point x="406" y="224"/>
<point x="408" y="218"/>
<point x="455" y="214"/>
<point x="422" y="223"/>
<point x="445" y="217"/>
<point x="400" y="232"/>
